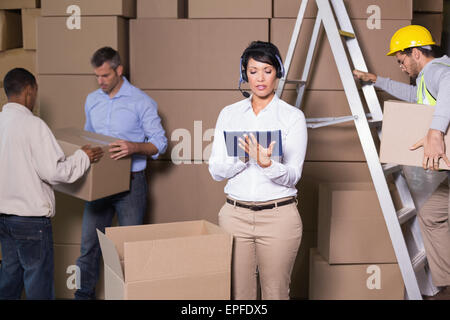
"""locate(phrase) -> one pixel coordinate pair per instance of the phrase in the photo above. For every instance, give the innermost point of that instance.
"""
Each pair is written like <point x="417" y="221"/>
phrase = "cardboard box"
<point x="433" y="22"/>
<point x="324" y="73"/>
<point x="161" y="8"/>
<point x="10" y="30"/>
<point x="202" y="204"/>
<point x="29" y="32"/>
<point x="123" y="8"/>
<point x="62" y="99"/>
<point x="352" y="228"/>
<point x="357" y="9"/>
<point x="55" y="41"/>
<point x="175" y="261"/>
<point x="65" y="275"/>
<point x="315" y="173"/>
<point x="230" y="9"/>
<point x="17" y="58"/>
<point x="194" y="53"/>
<point x="354" y="281"/>
<point x="399" y="135"/>
<point x="189" y="119"/>
<point x="428" y="5"/>
<point x="104" y="178"/>
<point x="19" y="4"/>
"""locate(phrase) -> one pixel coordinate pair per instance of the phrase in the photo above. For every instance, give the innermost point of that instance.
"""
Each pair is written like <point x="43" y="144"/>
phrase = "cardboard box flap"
<point x="211" y="228"/>
<point x="177" y="257"/>
<point x="109" y="253"/>
<point x="120" y="235"/>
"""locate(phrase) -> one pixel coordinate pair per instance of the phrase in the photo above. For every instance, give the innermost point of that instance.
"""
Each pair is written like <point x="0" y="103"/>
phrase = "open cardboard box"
<point x="404" y="124"/>
<point x="105" y="177"/>
<point x="171" y="261"/>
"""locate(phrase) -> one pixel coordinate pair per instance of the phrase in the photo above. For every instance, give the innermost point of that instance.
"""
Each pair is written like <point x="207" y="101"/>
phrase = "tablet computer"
<point x="264" y="138"/>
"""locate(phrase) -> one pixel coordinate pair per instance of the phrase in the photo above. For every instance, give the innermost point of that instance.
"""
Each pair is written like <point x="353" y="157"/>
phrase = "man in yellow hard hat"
<point x="413" y="47"/>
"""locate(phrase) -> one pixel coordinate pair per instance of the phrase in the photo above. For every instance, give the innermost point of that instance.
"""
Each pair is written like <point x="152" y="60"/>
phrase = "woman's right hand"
<point x="94" y="154"/>
<point x="262" y="155"/>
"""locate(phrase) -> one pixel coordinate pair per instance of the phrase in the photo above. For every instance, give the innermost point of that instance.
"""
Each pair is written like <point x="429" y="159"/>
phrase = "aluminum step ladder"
<point x="403" y="224"/>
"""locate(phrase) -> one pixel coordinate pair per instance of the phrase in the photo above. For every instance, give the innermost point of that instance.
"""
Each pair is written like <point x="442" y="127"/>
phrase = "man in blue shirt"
<point x="120" y="110"/>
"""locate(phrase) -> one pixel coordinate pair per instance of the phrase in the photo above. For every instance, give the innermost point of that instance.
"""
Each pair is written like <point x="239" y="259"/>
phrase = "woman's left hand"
<point x="256" y="151"/>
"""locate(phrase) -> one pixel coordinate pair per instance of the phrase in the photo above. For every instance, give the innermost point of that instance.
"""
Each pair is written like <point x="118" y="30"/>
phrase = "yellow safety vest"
<point x="423" y="91"/>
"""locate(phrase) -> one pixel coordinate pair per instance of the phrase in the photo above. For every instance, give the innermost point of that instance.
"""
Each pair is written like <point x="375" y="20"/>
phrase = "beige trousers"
<point x="265" y="243"/>
<point x="435" y="228"/>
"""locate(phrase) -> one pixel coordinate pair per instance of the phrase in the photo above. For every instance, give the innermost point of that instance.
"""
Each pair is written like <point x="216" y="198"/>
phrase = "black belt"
<point x="255" y="207"/>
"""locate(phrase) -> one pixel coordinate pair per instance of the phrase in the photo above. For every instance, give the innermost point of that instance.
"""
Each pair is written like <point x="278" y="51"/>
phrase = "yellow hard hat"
<point x="409" y="37"/>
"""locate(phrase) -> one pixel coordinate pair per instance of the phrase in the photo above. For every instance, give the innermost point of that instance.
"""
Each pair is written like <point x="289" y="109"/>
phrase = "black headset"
<point x="243" y="71"/>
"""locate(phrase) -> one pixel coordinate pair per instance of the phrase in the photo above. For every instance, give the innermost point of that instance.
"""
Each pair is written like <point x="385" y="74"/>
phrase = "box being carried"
<point x="171" y="261"/>
<point x="404" y="124"/>
<point x="105" y="177"/>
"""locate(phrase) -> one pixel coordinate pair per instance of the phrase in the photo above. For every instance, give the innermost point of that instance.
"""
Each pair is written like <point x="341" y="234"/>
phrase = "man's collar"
<point x="17" y="107"/>
<point x="124" y="91"/>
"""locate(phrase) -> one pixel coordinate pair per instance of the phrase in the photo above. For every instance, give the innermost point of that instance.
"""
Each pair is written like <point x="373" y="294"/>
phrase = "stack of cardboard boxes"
<point x="354" y="258"/>
<point x="17" y="38"/>
<point x="68" y="35"/>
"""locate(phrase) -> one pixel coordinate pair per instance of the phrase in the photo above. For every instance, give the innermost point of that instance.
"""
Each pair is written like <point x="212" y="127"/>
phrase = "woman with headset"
<point x="261" y="208"/>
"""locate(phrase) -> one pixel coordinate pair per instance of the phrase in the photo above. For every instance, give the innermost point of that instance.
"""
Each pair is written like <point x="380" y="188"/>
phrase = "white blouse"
<point x="248" y="181"/>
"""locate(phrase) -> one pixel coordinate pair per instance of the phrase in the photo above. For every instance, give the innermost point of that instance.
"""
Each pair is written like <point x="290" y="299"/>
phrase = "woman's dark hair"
<point x="106" y="54"/>
<point x="265" y="52"/>
<point x="17" y="80"/>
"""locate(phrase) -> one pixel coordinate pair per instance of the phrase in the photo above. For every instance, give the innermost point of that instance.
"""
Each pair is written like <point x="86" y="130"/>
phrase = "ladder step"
<point x="347" y="34"/>
<point x="405" y="214"/>
<point x="390" y="168"/>
<point x="375" y="123"/>
<point x="419" y="261"/>
<point x="299" y="82"/>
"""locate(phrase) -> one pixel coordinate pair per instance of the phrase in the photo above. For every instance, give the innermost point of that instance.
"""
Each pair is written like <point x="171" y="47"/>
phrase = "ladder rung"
<point x="375" y="123"/>
<point x="419" y="261"/>
<point x="347" y="34"/>
<point x="405" y="214"/>
<point x="390" y="168"/>
<point x="298" y="82"/>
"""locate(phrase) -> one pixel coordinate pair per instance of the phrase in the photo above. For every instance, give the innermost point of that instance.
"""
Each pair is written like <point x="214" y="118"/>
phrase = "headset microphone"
<point x="244" y="93"/>
<point x="242" y="79"/>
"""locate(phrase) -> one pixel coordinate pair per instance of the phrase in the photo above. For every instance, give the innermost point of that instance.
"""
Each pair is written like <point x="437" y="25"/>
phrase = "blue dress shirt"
<point x="130" y="115"/>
